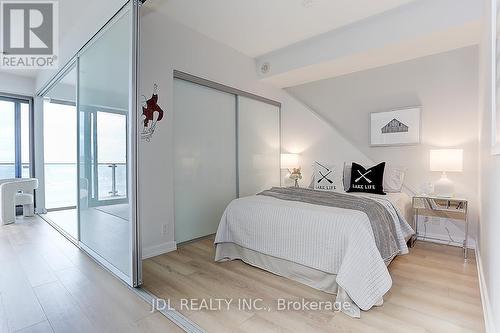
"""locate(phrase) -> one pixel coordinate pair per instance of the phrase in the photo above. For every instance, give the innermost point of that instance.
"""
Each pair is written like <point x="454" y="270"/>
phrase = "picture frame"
<point x="396" y="127"/>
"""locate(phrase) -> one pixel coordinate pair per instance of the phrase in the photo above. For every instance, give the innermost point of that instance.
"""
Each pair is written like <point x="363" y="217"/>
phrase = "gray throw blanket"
<point x="380" y="219"/>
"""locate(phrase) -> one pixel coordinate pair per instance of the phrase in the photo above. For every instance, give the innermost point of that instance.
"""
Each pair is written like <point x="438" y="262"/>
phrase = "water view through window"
<point x="59" y="129"/>
<point x="61" y="159"/>
<point x="14" y="120"/>
<point x="7" y="140"/>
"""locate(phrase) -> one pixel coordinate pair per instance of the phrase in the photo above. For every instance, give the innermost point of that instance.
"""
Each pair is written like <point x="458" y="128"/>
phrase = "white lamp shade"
<point x="289" y="161"/>
<point x="446" y="160"/>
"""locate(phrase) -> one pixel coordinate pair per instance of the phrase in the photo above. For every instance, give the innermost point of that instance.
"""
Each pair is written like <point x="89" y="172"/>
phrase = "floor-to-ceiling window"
<point x="7" y="140"/>
<point x="59" y="122"/>
<point x="14" y="137"/>
<point x="60" y="153"/>
<point x="111" y="142"/>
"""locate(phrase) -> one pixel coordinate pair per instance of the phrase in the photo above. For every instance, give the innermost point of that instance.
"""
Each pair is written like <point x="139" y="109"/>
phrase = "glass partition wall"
<point x="90" y="118"/>
<point x="103" y="105"/>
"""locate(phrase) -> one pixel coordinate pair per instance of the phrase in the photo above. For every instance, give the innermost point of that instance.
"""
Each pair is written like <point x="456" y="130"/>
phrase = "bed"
<point x="325" y="240"/>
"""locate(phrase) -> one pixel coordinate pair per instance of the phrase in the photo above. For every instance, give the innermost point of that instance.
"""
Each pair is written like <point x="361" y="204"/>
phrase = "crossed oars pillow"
<point x="367" y="180"/>
<point x="327" y="177"/>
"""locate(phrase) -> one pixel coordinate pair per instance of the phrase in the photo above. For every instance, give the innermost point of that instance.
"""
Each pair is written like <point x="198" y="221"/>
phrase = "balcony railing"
<point x="8" y="170"/>
<point x="112" y="180"/>
<point x="61" y="181"/>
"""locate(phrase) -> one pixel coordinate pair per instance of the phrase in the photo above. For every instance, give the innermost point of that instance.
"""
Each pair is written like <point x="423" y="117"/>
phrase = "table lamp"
<point x="445" y="160"/>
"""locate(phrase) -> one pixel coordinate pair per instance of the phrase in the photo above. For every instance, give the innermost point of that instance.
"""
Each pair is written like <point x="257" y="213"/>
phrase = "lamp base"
<point x="295" y="175"/>
<point x="444" y="187"/>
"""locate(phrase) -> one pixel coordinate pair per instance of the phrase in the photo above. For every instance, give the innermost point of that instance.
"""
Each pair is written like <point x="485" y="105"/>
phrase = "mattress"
<point x="338" y="242"/>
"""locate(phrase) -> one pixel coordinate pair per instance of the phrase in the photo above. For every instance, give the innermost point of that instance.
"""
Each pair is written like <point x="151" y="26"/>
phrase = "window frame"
<point x="18" y="100"/>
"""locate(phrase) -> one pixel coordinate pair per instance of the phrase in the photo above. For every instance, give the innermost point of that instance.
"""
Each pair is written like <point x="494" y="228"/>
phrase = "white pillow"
<point x="327" y="177"/>
<point x="393" y="178"/>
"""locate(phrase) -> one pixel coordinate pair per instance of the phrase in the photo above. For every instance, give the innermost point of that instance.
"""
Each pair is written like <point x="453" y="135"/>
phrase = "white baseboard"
<point x="485" y="299"/>
<point x="156" y="250"/>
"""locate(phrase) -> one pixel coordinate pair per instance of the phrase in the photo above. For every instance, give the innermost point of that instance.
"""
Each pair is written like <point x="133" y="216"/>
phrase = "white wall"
<point x="445" y="85"/>
<point x="16" y="84"/>
<point x="489" y="252"/>
<point x="177" y="47"/>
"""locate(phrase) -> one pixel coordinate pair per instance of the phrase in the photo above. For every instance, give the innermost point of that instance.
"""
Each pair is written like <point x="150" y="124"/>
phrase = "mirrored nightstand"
<point x="422" y="203"/>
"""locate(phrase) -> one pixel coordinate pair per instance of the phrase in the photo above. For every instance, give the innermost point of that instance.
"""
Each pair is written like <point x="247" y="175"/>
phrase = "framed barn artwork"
<point x="395" y="127"/>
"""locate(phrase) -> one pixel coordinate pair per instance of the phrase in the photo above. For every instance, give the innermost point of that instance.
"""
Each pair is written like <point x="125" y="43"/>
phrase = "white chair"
<point x="17" y="191"/>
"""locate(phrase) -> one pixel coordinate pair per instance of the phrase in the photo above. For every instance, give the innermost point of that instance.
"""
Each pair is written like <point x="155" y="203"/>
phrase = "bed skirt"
<point x="309" y="276"/>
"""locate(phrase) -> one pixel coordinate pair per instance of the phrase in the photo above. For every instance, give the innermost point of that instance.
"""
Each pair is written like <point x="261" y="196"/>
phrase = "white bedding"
<point x="400" y="200"/>
<point x="333" y="240"/>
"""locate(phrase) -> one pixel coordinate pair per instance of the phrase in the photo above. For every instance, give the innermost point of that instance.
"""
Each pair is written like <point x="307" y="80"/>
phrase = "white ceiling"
<point x="408" y="32"/>
<point x="253" y="27"/>
<point x="256" y="27"/>
<point x="72" y="11"/>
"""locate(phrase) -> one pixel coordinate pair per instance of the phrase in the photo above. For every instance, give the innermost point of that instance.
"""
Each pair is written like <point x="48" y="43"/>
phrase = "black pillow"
<point x="367" y="180"/>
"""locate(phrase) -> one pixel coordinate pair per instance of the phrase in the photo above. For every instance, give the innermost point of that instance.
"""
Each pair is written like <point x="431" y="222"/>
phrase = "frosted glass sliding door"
<point x="107" y="147"/>
<point x="258" y="146"/>
<point x="205" y="158"/>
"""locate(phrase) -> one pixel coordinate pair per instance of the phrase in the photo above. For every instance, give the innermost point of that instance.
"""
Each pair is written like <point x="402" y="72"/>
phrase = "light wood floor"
<point x="433" y="291"/>
<point x="48" y="285"/>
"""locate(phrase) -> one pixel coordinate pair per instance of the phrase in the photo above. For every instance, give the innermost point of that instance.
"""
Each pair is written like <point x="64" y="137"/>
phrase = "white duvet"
<point x="333" y="240"/>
